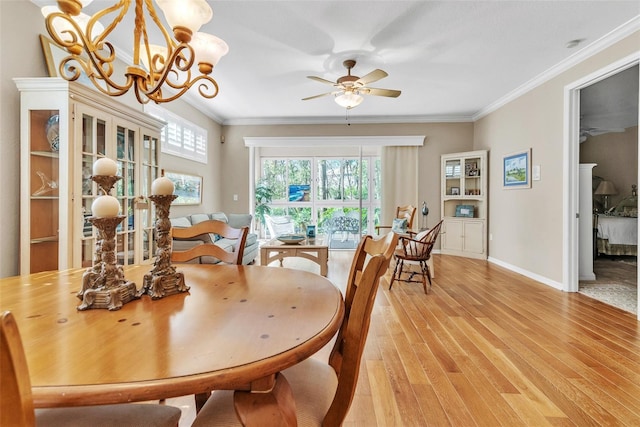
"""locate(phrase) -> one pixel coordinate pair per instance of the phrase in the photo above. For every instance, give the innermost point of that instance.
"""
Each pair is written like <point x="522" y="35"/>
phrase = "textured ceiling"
<point x="450" y="59"/>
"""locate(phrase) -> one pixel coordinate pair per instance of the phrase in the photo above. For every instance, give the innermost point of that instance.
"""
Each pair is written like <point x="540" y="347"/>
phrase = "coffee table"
<point x="315" y="250"/>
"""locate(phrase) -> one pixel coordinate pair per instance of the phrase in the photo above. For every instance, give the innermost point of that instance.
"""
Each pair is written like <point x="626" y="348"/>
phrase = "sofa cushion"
<point x="219" y="216"/>
<point x="240" y="220"/>
<point x="180" y="222"/>
<point x="227" y="244"/>
<point x="198" y="218"/>
<point x="183" y="245"/>
<point x="184" y="222"/>
<point x="252" y="238"/>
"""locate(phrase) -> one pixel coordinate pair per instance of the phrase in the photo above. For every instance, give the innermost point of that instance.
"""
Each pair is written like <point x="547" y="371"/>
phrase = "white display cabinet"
<point x="65" y="128"/>
<point x="464" y="204"/>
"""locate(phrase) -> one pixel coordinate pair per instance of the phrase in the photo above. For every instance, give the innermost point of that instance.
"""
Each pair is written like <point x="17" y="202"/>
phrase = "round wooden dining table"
<point x="235" y="329"/>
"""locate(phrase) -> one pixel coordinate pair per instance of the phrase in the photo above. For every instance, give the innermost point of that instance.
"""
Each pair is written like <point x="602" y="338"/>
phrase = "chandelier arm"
<point x="171" y="44"/>
<point x="123" y="5"/>
<point x="95" y="56"/>
<point x="176" y="62"/>
<point x="75" y="44"/>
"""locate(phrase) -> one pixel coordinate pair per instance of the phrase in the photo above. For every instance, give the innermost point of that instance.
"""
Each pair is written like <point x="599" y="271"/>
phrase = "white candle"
<point x="105" y="207"/>
<point x="162" y="187"/>
<point x="104" y="166"/>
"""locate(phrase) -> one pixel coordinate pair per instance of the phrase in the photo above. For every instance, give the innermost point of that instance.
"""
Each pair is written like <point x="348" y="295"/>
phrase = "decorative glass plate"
<point x="291" y="239"/>
<point x="52" y="130"/>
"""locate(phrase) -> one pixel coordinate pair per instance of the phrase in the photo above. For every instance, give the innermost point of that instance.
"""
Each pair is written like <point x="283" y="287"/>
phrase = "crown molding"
<point x="342" y="121"/>
<point x="597" y="46"/>
<point x="334" y="141"/>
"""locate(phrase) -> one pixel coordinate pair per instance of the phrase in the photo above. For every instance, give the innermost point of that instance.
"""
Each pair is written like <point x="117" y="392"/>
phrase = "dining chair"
<point x="16" y="401"/>
<point x="216" y="229"/>
<point x="403" y="220"/>
<point x="416" y="249"/>
<point x="323" y="392"/>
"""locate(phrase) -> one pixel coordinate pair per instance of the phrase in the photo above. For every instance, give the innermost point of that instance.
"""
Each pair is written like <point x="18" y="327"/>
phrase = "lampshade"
<point x="606" y="188"/>
<point x="189" y="14"/>
<point x="349" y="100"/>
<point x="208" y="50"/>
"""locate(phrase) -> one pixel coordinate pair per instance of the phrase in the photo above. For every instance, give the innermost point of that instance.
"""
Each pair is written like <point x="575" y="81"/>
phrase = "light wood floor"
<point x="489" y="347"/>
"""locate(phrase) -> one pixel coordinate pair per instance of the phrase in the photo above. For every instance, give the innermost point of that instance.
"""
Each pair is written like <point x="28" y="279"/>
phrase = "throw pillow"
<point x="399" y="225"/>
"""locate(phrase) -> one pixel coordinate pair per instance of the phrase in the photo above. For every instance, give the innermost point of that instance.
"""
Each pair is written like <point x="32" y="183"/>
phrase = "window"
<point x="313" y="190"/>
<point x="180" y="137"/>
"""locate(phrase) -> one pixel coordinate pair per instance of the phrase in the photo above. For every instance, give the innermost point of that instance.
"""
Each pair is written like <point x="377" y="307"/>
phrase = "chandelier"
<point x="159" y="73"/>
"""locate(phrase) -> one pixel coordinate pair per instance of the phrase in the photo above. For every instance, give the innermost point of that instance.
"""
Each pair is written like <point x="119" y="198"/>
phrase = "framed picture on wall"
<point x="516" y="170"/>
<point x="54" y="55"/>
<point x="188" y="188"/>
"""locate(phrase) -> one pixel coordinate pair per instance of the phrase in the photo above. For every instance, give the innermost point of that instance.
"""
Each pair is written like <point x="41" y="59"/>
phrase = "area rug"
<point x="623" y="296"/>
<point x="346" y="244"/>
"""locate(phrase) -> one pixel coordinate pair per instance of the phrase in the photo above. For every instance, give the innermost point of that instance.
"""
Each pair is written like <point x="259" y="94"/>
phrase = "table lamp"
<point x="606" y="189"/>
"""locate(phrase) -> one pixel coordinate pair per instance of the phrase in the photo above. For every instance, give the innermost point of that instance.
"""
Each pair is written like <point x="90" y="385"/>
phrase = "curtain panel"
<point x="399" y="180"/>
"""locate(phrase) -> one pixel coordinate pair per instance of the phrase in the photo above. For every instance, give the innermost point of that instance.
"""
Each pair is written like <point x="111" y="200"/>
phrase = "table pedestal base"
<point x="275" y="407"/>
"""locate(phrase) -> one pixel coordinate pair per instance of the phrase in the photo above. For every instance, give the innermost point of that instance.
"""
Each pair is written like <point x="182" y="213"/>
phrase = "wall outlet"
<point x="490" y="236"/>
<point x="235" y="197"/>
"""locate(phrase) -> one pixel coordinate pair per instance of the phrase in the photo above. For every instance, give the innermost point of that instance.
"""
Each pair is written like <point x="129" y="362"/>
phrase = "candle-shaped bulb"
<point x="105" y="167"/>
<point x="105" y="207"/>
<point x="162" y="186"/>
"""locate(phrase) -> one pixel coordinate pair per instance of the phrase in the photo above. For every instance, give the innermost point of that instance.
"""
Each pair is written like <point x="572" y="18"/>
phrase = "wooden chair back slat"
<point x="208" y="249"/>
<point x="370" y="262"/>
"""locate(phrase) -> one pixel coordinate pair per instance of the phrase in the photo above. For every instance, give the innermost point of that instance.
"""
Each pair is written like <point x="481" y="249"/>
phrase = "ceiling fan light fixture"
<point x="349" y="100"/>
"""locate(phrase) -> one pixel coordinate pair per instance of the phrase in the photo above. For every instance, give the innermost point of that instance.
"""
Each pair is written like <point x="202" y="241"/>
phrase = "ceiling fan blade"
<point x="380" y="92"/>
<point x="321" y="80"/>
<point x="373" y="76"/>
<point x="318" y="96"/>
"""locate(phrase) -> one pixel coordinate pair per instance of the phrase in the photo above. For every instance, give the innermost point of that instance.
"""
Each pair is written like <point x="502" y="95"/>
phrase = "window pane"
<point x="329" y="180"/>
<point x="351" y="179"/>
<point x="274" y="173"/>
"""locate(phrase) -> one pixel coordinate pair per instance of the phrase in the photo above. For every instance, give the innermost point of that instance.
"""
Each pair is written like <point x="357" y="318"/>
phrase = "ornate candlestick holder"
<point x="163" y="279"/>
<point x="104" y="285"/>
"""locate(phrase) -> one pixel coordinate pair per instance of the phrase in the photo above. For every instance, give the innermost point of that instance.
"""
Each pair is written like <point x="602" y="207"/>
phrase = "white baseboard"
<point x="529" y="274"/>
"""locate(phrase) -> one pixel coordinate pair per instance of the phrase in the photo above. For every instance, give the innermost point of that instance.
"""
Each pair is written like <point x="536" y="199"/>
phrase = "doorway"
<point x="576" y="130"/>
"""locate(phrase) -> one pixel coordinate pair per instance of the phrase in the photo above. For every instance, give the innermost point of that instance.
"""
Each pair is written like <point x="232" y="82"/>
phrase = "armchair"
<point x="279" y="225"/>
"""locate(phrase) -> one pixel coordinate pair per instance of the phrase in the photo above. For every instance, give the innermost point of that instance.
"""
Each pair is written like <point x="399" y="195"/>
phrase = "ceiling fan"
<point x="349" y="89"/>
<point x="587" y="132"/>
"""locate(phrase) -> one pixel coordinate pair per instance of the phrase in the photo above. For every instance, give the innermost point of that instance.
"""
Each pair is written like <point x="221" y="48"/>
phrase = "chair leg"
<point x="394" y="277"/>
<point x="427" y="272"/>
<point x="424" y="280"/>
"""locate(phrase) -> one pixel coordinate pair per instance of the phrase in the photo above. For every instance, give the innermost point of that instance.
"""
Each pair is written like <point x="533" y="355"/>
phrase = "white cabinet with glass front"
<point x="65" y="128"/>
<point x="464" y="204"/>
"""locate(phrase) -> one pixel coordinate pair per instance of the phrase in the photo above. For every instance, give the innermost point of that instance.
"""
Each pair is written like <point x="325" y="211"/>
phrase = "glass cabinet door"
<point x="146" y="211"/>
<point x="125" y="193"/>
<point x="44" y="192"/>
<point x="472" y="171"/>
<point x="93" y="146"/>
<point x="452" y="177"/>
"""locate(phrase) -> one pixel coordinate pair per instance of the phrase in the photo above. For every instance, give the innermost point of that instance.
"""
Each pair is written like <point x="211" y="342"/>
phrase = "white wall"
<point x="527" y="224"/>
